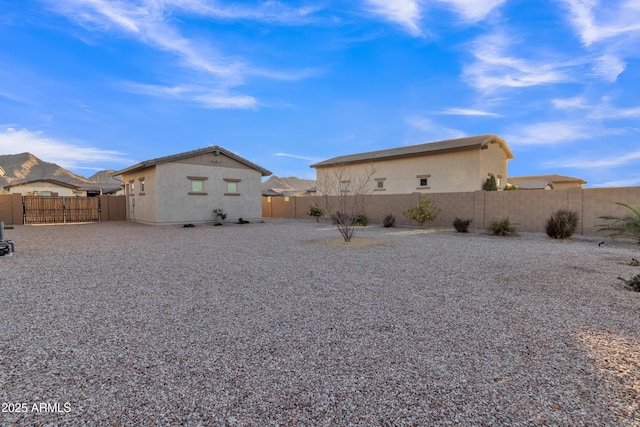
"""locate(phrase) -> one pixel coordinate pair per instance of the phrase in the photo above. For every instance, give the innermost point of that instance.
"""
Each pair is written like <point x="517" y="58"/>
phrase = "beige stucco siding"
<point x="37" y="188"/>
<point x="142" y="206"/>
<point x="493" y="161"/>
<point x="453" y="171"/>
<point x="177" y="205"/>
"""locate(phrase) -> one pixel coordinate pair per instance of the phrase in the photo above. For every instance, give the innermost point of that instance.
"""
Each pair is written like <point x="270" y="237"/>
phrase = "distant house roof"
<point x="480" y="141"/>
<point x="51" y="181"/>
<point x="187" y="154"/>
<point x="542" y="181"/>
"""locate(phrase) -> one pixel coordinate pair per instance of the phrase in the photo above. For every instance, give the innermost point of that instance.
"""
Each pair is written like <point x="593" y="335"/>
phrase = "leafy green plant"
<point x="634" y="262"/>
<point x="632" y="283"/>
<point x="562" y="224"/>
<point x="490" y="184"/>
<point x="501" y="227"/>
<point x="627" y="225"/>
<point x="425" y="211"/>
<point x="389" y="220"/>
<point x="361" y="220"/>
<point x="315" y="211"/>
<point x="510" y="187"/>
<point x="461" y="225"/>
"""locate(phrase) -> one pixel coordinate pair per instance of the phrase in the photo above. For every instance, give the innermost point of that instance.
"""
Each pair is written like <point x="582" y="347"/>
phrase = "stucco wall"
<point x="493" y="160"/>
<point x="455" y="171"/>
<point x="36" y="189"/>
<point x="142" y="206"/>
<point x="176" y="205"/>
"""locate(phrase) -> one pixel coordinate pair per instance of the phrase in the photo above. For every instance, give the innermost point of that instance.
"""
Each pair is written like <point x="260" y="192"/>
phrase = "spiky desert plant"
<point x="501" y="227"/>
<point x="562" y="224"/>
<point x="626" y="225"/>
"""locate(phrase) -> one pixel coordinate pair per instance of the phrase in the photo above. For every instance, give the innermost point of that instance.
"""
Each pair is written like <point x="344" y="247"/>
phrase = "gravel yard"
<point x="282" y="323"/>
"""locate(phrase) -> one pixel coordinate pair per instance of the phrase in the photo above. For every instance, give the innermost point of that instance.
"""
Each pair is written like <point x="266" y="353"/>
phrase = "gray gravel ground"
<point x="281" y="323"/>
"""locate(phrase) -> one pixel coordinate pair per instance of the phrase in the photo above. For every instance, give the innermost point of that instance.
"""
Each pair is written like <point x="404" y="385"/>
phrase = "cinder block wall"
<point x="528" y="209"/>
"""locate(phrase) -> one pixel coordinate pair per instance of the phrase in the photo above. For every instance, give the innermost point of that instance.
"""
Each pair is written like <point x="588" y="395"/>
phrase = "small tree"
<point x="425" y="211"/>
<point x="490" y="184"/>
<point x="316" y="211"/>
<point x="345" y="189"/>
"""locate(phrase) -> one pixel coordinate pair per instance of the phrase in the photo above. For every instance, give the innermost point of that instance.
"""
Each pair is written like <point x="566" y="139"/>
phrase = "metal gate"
<point x="57" y="210"/>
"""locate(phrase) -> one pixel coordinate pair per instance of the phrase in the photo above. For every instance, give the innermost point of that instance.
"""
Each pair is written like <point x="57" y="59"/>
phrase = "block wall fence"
<point x="528" y="209"/>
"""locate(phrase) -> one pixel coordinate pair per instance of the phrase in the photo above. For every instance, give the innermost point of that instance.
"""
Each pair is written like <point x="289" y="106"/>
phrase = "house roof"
<point x="552" y="177"/>
<point x="543" y="181"/>
<point x="51" y="181"/>
<point x="471" y="142"/>
<point x="187" y="154"/>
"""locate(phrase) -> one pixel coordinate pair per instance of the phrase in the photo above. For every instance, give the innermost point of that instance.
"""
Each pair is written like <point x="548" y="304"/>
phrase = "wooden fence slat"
<point x="56" y="209"/>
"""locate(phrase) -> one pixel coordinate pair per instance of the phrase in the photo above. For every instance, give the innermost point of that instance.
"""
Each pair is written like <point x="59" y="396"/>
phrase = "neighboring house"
<point x="546" y="182"/>
<point x="455" y="165"/>
<point x="188" y="187"/>
<point x="45" y="187"/>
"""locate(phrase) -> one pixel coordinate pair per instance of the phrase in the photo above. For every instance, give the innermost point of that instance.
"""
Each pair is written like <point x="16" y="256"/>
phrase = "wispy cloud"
<point x="570" y="103"/>
<point x="473" y="10"/>
<point x="150" y="23"/>
<point x="266" y="11"/>
<point x="632" y="181"/>
<point x="494" y="67"/>
<point x="405" y="13"/>
<point x="597" y="162"/>
<point x="468" y="112"/>
<point x="299" y="157"/>
<point x="608" y="67"/>
<point x="432" y="131"/>
<point x="66" y="154"/>
<point x="549" y="133"/>
<point x="599" y="20"/>
<point x="199" y="94"/>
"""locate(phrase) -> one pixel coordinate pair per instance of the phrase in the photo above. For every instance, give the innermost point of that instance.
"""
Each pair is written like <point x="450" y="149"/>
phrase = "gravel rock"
<point x="281" y="323"/>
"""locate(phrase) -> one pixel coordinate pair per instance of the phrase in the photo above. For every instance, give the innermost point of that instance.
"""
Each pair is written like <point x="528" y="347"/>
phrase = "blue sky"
<point x="100" y="84"/>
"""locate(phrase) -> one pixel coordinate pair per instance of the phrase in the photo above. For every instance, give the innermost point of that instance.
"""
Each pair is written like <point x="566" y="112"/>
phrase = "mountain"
<point x="289" y="184"/>
<point x="104" y="177"/>
<point x="27" y="167"/>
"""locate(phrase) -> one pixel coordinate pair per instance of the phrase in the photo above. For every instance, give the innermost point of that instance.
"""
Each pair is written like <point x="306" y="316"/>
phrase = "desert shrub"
<point x="632" y="283"/>
<point x="461" y="225"/>
<point x="501" y="227"/>
<point x="510" y="187"/>
<point x="627" y="225"/>
<point x="635" y="262"/>
<point x="389" y="220"/>
<point x="562" y="224"/>
<point x="425" y="211"/>
<point x="361" y="220"/>
<point x="490" y="184"/>
<point x="315" y="211"/>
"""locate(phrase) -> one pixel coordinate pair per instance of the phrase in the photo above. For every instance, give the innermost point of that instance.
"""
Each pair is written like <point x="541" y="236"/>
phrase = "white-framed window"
<point x="233" y="186"/>
<point x="423" y="182"/>
<point x="344" y="186"/>
<point x="379" y="186"/>
<point x="197" y="185"/>
<point x="141" y="185"/>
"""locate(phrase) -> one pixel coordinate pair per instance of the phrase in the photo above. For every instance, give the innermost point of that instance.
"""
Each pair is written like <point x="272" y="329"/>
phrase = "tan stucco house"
<point x="546" y="182"/>
<point x="455" y="165"/>
<point x="45" y="187"/>
<point x="188" y="187"/>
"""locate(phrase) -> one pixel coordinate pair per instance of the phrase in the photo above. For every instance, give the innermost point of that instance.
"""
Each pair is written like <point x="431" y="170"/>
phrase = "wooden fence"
<point x="18" y="209"/>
